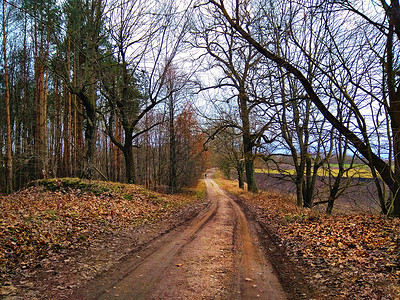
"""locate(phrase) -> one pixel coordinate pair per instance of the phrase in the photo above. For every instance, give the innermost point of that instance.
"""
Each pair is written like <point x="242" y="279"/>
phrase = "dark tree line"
<point x="86" y="90"/>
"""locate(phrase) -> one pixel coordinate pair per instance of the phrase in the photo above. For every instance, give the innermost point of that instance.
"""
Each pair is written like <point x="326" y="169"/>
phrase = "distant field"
<point x="359" y="171"/>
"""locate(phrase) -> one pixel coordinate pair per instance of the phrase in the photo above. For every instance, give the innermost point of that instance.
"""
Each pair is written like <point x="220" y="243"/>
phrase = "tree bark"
<point x="129" y="167"/>
<point x="248" y="143"/>
<point x="299" y="182"/>
<point x="9" y="163"/>
<point x="240" y="176"/>
<point x="68" y="166"/>
<point x="40" y="110"/>
<point x="333" y="193"/>
<point x="90" y="134"/>
<point x="57" y="131"/>
<point x="172" y="148"/>
<point x="394" y="109"/>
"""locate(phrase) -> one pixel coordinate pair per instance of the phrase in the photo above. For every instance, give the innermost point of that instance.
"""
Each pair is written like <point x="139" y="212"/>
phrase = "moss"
<point x="295" y="217"/>
<point x="127" y="197"/>
<point x="51" y="214"/>
<point x="60" y="184"/>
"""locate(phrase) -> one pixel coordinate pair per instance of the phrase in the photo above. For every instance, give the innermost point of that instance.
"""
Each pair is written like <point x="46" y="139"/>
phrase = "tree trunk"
<point x="57" y="131"/>
<point x="299" y="182"/>
<point x="66" y="137"/>
<point x="311" y="173"/>
<point x="247" y="143"/>
<point x="76" y="121"/>
<point x="90" y="141"/>
<point x="128" y="155"/>
<point x="89" y="103"/>
<point x="394" y="112"/>
<point x="116" y="152"/>
<point x="240" y="176"/>
<point x="69" y="118"/>
<point x="41" y="110"/>
<point x="250" y="173"/>
<point x="42" y="122"/>
<point x="172" y="149"/>
<point x="396" y="150"/>
<point x="333" y="193"/>
<point x="25" y="93"/>
<point x="9" y="164"/>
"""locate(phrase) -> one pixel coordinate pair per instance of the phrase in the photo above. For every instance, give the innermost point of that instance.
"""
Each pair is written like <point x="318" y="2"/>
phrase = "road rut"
<point x="214" y="256"/>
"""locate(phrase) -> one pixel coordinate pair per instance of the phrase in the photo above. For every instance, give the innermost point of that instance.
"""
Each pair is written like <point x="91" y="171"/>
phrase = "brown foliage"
<point x="58" y="214"/>
<point x="346" y="256"/>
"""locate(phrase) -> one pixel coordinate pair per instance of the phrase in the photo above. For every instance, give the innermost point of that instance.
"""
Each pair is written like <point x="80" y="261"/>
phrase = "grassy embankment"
<point x="55" y="214"/>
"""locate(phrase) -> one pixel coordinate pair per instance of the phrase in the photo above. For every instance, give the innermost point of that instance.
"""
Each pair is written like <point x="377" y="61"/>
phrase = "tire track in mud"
<point x="255" y="277"/>
<point x="156" y="256"/>
<point x="214" y="256"/>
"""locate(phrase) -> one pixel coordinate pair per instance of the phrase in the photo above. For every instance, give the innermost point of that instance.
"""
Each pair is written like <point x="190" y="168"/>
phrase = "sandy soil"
<point x="216" y="255"/>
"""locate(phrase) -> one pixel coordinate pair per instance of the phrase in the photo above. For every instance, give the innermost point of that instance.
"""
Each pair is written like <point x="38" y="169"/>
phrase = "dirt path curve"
<point x="214" y="256"/>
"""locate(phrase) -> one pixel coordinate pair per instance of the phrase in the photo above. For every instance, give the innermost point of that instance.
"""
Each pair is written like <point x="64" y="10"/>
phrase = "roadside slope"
<point x="59" y="233"/>
<point x="339" y="257"/>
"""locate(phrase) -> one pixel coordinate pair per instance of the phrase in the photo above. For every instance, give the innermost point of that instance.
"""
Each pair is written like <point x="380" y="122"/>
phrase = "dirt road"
<point x="214" y="256"/>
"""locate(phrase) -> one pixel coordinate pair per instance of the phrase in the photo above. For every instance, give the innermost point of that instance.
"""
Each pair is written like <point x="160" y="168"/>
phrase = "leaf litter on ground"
<point x="353" y="256"/>
<point x="56" y="214"/>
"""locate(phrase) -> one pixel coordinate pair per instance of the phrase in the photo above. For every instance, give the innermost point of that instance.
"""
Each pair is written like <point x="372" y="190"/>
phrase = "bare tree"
<point x="228" y="152"/>
<point x="238" y="62"/>
<point x="136" y="78"/>
<point x="234" y="14"/>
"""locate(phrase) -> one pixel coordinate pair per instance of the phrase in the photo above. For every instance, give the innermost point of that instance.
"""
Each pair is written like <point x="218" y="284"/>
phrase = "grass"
<point x="55" y="184"/>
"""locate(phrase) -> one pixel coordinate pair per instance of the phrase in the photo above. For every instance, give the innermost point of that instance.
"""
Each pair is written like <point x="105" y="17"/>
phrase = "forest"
<point x="154" y="92"/>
